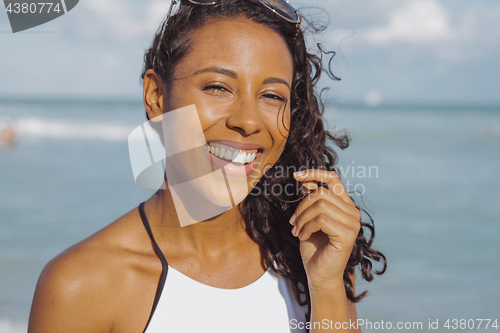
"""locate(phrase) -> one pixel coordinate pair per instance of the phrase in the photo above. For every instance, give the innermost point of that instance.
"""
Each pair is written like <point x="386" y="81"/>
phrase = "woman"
<point x="245" y="67"/>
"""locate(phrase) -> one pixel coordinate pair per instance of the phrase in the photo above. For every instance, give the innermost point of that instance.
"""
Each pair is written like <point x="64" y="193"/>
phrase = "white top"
<point x="186" y="305"/>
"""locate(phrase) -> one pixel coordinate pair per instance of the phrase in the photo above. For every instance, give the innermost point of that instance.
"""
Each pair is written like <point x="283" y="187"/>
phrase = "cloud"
<point x="413" y="49"/>
<point x="415" y="22"/>
<point x="429" y="28"/>
<point x="122" y="20"/>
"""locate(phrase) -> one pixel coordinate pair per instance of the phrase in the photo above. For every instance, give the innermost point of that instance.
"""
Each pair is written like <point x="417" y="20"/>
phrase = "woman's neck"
<point x="207" y="238"/>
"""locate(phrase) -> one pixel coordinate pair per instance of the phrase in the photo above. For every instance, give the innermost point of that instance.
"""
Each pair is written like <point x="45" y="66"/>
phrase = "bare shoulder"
<point x="83" y="288"/>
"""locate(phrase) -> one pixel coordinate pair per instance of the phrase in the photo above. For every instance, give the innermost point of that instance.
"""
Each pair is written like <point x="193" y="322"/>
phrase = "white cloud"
<point x="119" y="19"/>
<point x="423" y="28"/>
<point x="404" y="49"/>
<point x="416" y="22"/>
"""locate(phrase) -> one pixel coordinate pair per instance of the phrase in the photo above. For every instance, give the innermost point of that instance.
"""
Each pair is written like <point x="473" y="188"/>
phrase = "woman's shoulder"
<point x="90" y="281"/>
<point x="98" y="255"/>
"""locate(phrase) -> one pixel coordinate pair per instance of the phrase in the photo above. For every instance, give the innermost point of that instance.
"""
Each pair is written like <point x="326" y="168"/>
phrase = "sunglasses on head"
<point x="279" y="7"/>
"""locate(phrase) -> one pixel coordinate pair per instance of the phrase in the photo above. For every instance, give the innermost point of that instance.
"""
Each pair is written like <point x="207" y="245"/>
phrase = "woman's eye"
<point x="273" y="96"/>
<point x="214" y="89"/>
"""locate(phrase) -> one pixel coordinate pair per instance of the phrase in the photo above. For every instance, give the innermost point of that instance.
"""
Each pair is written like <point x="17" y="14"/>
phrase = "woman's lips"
<point x="233" y="168"/>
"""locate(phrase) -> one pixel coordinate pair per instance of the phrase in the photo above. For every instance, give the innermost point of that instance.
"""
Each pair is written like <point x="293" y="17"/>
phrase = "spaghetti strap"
<point x="160" y="255"/>
<point x="188" y="305"/>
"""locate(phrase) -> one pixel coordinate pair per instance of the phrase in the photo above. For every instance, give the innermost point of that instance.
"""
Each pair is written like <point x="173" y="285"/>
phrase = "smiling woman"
<point x="274" y="262"/>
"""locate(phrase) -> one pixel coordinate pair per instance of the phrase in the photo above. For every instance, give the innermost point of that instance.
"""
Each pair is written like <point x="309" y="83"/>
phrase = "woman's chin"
<point x="223" y="191"/>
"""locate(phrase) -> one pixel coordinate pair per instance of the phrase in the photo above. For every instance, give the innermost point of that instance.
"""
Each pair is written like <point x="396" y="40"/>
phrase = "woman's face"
<point x="238" y="74"/>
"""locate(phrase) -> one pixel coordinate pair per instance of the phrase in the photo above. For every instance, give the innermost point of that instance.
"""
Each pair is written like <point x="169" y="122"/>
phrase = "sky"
<point x="387" y="51"/>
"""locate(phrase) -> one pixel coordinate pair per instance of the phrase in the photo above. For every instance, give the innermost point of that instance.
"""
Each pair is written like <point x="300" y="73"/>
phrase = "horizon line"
<point x="329" y="103"/>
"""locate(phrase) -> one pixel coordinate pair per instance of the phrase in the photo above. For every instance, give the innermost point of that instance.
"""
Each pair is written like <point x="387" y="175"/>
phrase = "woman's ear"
<point x="152" y="94"/>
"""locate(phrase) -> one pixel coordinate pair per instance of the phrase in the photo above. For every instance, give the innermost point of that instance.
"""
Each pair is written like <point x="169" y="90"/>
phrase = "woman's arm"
<point x="352" y="306"/>
<point x="331" y="307"/>
<point x="327" y="223"/>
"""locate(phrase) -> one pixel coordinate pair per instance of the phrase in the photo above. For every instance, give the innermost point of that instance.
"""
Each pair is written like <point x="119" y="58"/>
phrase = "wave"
<point x="64" y="129"/>
<point x="7" y="326"/>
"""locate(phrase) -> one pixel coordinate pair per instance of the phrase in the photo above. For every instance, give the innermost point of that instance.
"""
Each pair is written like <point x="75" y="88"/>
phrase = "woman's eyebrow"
<point x="224" y="71"/>
<point x="271" y="80"/>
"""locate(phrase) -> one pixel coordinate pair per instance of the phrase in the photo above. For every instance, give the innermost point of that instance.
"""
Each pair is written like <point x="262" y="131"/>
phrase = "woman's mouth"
<point x="236" y="159"/>
<point x="232" y="155"/>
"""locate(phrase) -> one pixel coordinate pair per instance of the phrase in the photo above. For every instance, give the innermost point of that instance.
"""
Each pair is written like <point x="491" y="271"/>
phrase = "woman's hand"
<point x="327" y="222"/>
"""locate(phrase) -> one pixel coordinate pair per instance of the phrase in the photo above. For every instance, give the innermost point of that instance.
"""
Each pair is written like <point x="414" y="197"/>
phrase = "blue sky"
<point x="388" y="51"/>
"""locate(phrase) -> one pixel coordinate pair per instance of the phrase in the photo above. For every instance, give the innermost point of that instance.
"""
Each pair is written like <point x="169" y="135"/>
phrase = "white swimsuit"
<point x="186" y="305"/>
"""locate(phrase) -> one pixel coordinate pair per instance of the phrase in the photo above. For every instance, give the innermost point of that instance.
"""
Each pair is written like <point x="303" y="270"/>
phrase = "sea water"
<point x="429" y="177"/>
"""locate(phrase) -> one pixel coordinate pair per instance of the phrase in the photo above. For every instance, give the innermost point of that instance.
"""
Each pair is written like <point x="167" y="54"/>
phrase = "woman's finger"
<point x="338" y="233"/>
<point x="324" y="207"/>
<point x="330" y="178"/>
<point x="309" y="187"/>
<point x="325" y="194"/>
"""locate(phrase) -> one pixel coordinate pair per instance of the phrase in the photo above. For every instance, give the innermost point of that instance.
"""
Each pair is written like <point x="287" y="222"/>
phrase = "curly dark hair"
<point x="266" y="214"/>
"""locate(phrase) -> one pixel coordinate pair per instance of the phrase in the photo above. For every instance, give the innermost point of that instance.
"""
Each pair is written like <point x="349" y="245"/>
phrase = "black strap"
<point x="160" y="255"/>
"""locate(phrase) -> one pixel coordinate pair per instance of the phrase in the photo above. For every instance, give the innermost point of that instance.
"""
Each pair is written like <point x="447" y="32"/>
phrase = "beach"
<point x="429" y="177"/>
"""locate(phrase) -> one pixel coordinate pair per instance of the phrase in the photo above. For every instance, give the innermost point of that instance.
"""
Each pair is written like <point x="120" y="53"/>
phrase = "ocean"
<point x="429" y="176"/>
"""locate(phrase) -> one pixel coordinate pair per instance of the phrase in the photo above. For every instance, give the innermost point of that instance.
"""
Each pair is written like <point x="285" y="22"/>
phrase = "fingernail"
<point x="292" y="219"/>
<point x="294" y="230"/>
<point x="301" y="234"/>
<point x="299" y="173"/>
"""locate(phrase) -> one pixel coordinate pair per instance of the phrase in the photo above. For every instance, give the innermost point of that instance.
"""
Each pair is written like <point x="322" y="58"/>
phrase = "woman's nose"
<point x="245" y="117"/>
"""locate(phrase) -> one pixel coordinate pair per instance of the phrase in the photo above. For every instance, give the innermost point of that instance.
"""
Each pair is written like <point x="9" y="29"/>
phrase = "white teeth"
<point x="232" y="154"/>
<point x="238" y="159"/>
<point x="235" y="154"/>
